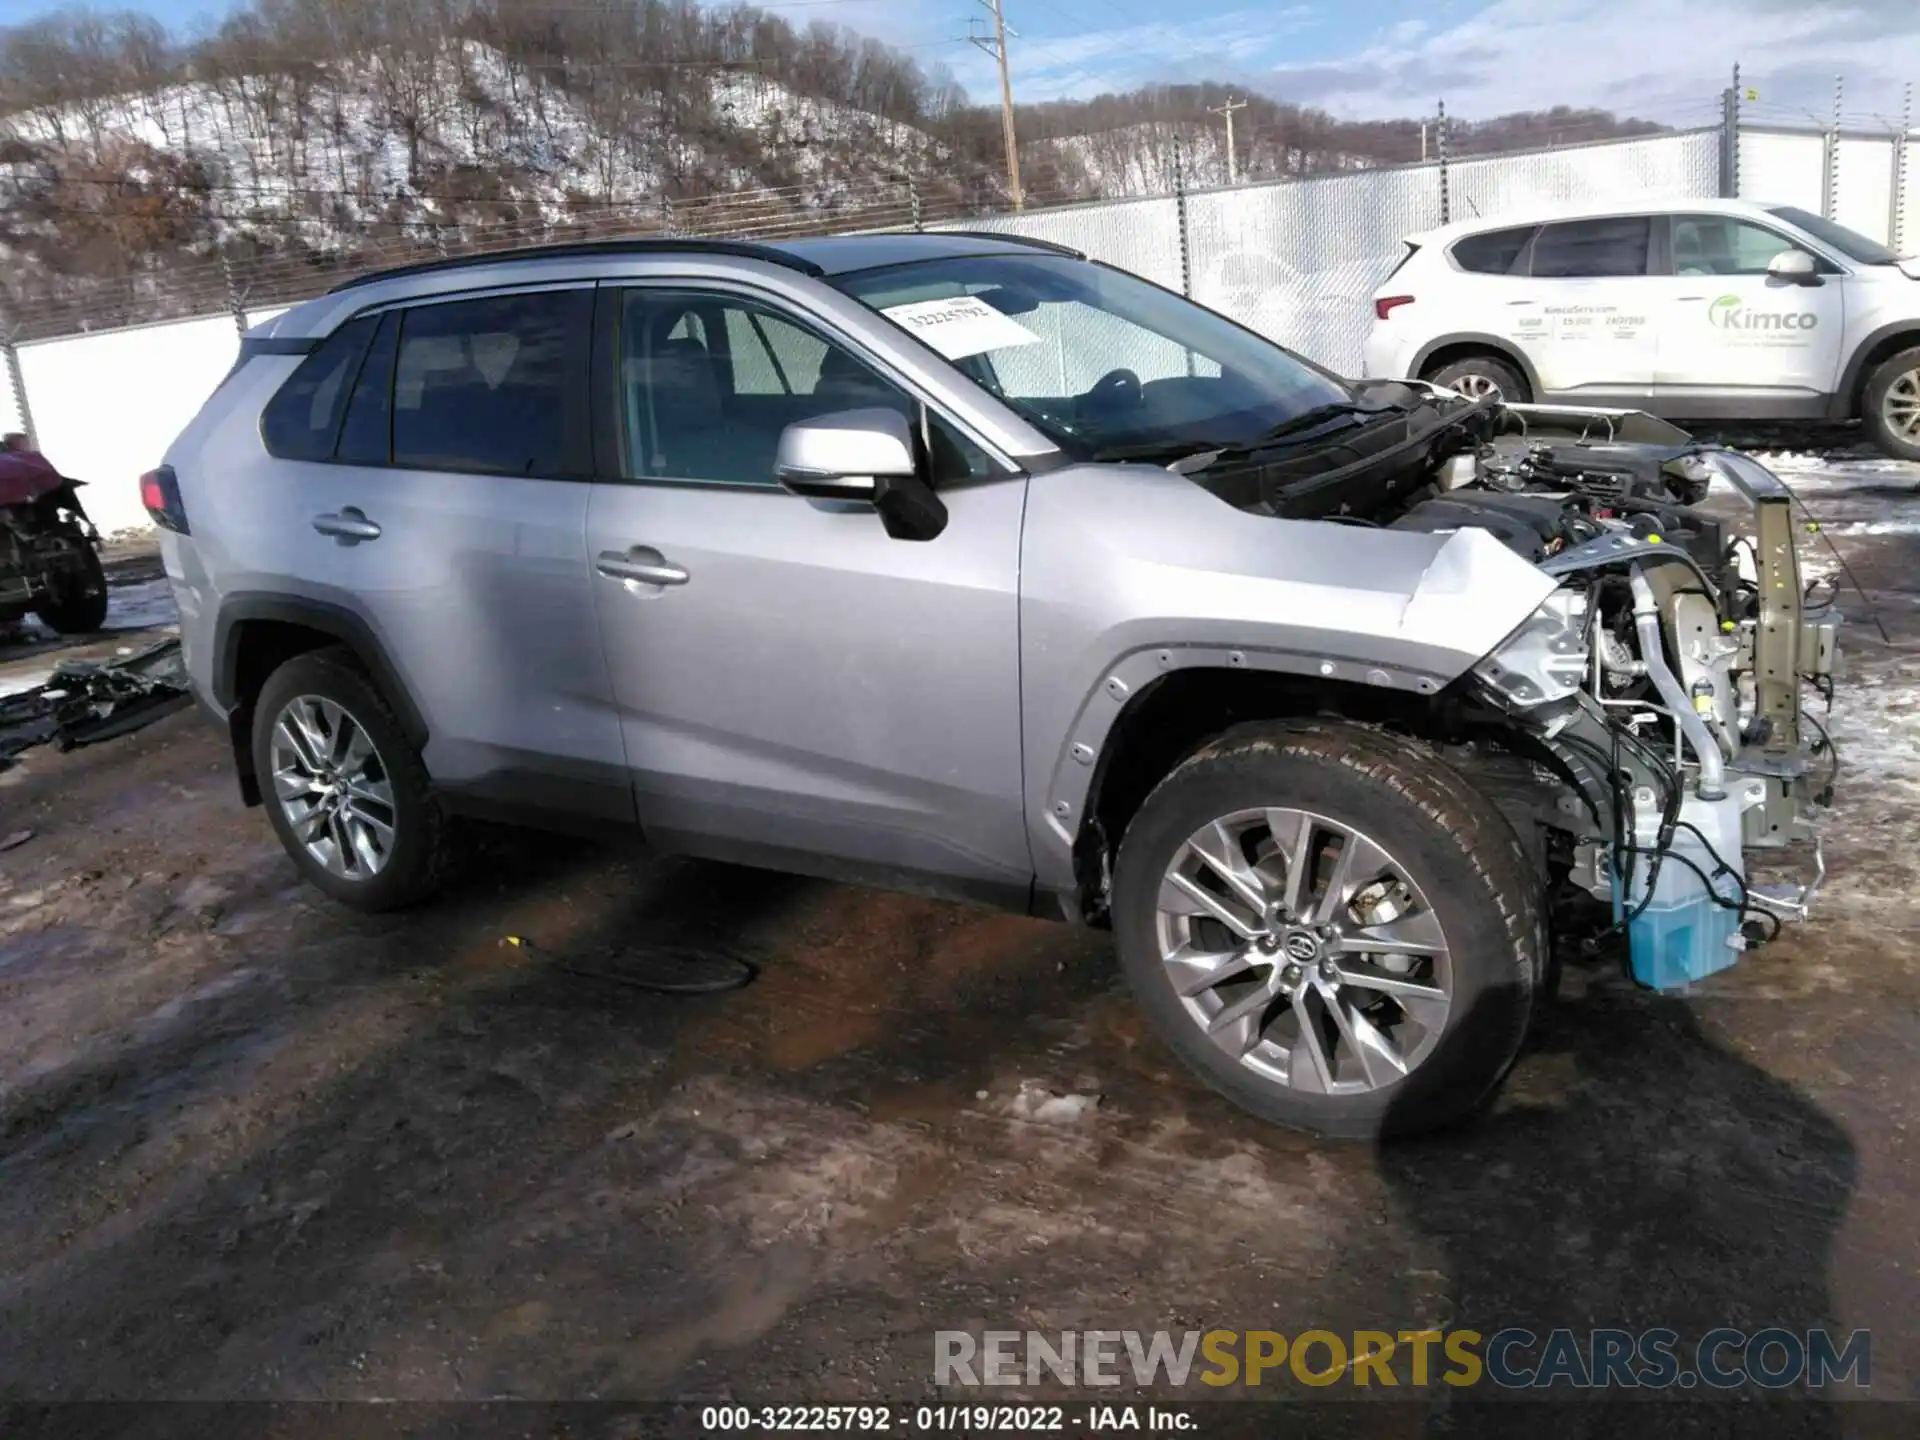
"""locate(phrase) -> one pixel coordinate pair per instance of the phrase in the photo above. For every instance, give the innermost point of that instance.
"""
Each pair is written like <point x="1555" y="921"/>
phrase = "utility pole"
<point x="1233" y="164"/>
<point x="995" y="44"/>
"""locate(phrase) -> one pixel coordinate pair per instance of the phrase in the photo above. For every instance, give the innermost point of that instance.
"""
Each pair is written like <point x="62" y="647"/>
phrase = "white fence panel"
<point x="1783" y="169"/>
<point x="1863" y="196"/>
<point x="107" y="405"/>
<point x="1297" y="261"/>
<point x="9" y="412"/>
<point x="1664" y="167"/>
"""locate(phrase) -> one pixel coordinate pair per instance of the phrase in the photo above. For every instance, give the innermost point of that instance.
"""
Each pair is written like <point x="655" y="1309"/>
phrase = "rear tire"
<point x="1477" y="376"/>
<point x="1890" y="405"/>
<point x="1408" y="1041"/>
<point x="78" y="605"/>
<point x="345" y="790"/>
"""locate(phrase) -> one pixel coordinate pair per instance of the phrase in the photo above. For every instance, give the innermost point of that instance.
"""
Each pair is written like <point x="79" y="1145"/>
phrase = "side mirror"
<point x="1795" y="267"/>
<point x="865" y="457"/>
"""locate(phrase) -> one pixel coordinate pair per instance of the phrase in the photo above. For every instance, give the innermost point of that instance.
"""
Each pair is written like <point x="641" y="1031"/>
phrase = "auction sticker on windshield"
<point x="962" y="326"/>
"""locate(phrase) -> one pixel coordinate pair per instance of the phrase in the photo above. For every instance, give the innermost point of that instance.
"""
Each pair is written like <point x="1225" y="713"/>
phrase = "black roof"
<point x="834" y="254"/>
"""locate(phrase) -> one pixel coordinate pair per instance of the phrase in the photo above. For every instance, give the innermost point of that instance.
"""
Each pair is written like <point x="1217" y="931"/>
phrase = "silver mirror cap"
<point x="843" y="454"/>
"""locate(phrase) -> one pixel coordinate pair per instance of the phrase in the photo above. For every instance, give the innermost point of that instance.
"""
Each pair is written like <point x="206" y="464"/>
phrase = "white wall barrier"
<point x="1294" y="259"/>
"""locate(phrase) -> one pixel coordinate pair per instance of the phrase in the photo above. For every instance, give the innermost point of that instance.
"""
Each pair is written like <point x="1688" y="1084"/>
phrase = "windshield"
<point x="1850" y="243"/>
<point x="1100" y="361"/>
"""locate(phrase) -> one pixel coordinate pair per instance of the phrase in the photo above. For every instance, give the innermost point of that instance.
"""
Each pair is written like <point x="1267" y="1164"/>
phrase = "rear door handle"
<point x="1523" y="302"/>
<point x="349" y="526"/>
<point x="642" y="563"/>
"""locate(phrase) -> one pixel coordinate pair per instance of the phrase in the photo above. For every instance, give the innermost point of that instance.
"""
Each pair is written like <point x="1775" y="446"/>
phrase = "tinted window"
<point x="1492" y="253"/>
<point x="1586" y="249"/>
<point x="366" y="437"/>
<point x="494" y="386"/>
<point x="708" y="382"/>
<point x="1850" y="243"/>
<point x="301" y="420"/>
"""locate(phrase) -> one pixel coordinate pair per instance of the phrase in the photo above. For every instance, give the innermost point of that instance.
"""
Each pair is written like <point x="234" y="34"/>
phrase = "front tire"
<point x="1478" y="376"/>
<point x="345" y="790"/>
<point x="78" y="605"/>
<point x="1890" y="405"/>
<point x="1331" y="927"/>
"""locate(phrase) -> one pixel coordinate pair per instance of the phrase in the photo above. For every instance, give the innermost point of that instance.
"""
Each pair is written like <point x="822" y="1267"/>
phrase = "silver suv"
<point x="967" y="565"/>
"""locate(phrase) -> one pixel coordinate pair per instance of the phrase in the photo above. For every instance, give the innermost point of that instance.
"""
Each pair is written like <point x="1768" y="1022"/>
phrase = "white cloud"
<point x="1225" y="46"/>
<point x="1655" y="58"/>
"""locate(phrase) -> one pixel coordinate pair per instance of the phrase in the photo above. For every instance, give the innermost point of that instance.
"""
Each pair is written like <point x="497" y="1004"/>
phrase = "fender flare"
<point x="327" y="617"/>
<point x="1852" y="378"/>
<point x="1484" y="341"/>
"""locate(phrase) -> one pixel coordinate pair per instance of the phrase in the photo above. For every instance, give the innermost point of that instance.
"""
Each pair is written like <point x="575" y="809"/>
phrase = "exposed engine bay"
<point x="1658" y="691"/>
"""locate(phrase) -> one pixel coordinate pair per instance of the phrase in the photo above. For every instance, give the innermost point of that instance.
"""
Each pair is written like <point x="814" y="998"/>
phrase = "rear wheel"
<point x="78" y="604"/>
<point x="1478" y="376"/>
<point x="1332" y="927"/>
<point x="344" y="788"/>
<point x="1891" y="408"/>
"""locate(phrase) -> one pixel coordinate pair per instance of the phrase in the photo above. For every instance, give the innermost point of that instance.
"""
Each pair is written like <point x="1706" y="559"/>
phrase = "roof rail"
<point x="1014" y="240"/>
<point x="586" y="249"/>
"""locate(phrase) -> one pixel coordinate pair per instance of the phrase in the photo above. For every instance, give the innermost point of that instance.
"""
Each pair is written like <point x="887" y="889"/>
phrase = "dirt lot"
<point x="253" y="1146"/>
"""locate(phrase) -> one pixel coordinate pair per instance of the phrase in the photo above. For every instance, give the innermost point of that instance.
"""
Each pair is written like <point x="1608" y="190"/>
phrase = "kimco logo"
<point x="1727" y="314"/>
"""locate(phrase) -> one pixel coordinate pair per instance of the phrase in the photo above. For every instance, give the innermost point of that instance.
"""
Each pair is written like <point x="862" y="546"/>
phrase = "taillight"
<point x="1387" y="304"/>
<point x="160" y="493"/>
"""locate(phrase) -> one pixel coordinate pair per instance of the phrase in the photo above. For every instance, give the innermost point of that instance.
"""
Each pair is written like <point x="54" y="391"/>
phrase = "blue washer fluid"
<point x="1684" y="935"/>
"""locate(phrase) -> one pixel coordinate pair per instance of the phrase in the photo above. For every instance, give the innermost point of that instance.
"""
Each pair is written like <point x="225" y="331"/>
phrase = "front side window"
<point x="494" y="386"/>
<point x="708" y="381"/>
<point x="1723" y="245"/>
<point x="1614" y="247"/>
<point x="1103" y="362"/>
<point x="1850" y="243"/>
<point x="302" y="420"/>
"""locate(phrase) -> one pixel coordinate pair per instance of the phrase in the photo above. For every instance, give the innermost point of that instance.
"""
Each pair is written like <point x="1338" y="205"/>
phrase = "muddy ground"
<point x="254" y="1146"/>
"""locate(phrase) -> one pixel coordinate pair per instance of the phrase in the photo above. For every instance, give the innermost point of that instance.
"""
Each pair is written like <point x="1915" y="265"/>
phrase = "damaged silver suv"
<point x="965" y="564"/>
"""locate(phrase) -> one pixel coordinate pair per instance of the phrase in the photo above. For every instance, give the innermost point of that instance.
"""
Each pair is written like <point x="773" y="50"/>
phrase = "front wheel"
<point x="1892" y="405"/>
<point x="77" y="604"/>
<point x="1331" y="927"/>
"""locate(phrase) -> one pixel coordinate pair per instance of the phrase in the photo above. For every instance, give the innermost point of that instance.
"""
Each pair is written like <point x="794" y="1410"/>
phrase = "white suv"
<point x="1705" y="309"/>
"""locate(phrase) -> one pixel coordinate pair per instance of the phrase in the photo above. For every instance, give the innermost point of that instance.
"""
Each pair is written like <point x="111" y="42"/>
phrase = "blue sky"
<point x="1666" y="59"/>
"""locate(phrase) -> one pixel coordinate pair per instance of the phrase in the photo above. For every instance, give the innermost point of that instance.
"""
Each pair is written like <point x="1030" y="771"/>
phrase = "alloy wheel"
<point x="1304" y="950"/>
<point x="1900" y="406"/>
<point x="1475" y="387"/>
<point x="332" y="787"/>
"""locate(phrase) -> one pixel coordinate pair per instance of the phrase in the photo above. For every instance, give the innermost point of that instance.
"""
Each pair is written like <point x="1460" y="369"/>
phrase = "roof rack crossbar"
<point x="1013" y="239"/>
<point x="587" y="249"/>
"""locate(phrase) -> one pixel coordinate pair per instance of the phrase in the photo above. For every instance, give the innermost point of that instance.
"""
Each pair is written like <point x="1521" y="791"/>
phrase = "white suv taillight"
<point x="1385" y="305"/>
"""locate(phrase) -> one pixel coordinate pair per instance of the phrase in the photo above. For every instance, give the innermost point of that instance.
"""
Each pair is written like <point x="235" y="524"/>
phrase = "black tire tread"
<point x="1883" y="376"/>
<point x="1414" y="772"/>
<point x="337" y="670"/>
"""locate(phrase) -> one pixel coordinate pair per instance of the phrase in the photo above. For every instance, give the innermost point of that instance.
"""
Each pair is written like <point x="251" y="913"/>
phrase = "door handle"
<point x="349" y="526"/>
<point x="642" y="563"/>
<point x="1523" y="302"/>
<point x="1690" y="297"/>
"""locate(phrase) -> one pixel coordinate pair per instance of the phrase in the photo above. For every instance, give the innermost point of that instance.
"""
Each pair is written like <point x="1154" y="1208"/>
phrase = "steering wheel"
<point x="1115" y="387"/>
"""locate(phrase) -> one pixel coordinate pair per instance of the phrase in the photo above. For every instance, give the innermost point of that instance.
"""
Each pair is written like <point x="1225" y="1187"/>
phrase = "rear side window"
<point x="303" y="418"/>
<point x="1492" y="253"/>
<point x="494" y="386"/>
<point x="1593" y="249"/>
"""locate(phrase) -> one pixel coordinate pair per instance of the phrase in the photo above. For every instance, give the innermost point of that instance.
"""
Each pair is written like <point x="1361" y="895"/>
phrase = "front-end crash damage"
<point x="1645" y="728"/>
<point x="1665" y="676"/>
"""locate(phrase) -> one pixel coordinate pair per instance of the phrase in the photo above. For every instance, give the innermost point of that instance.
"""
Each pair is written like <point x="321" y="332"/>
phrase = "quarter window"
<point x="494" y="386"/>
<point x="1492" y="253"/>
<point x="303" y="418"/>
<point x="1593" y="249"/>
